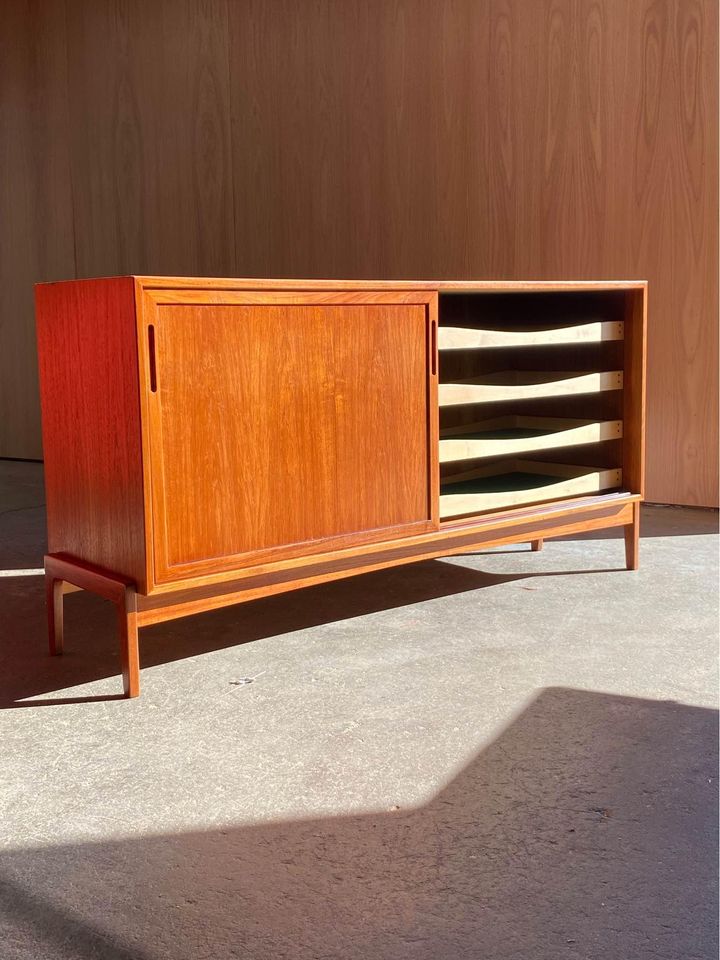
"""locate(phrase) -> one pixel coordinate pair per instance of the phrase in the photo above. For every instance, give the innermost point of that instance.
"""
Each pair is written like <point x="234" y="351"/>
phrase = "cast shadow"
<point x="586" y="830"/>
<point x="91" y="651"/>
<point x="27" y="672"/>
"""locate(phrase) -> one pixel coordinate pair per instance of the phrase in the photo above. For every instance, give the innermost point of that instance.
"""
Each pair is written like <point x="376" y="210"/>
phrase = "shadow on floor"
<point x="91" y="652"/>
<point x="586" y="830"/>
<point x="26" y="671"/>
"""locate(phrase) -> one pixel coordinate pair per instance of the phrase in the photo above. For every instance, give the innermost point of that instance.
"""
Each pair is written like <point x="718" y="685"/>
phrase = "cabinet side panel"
<point x="634" y="392"/>
<point x="91" y="423"/>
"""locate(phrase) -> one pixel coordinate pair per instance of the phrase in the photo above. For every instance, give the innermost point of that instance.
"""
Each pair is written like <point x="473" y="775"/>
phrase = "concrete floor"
<point x="503" y="755"/>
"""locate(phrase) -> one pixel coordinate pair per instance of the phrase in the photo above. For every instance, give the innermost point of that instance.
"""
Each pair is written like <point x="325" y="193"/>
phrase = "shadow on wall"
<point x="586" y="830"/>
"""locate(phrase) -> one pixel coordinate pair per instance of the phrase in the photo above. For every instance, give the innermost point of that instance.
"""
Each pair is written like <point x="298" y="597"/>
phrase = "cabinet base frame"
<point x="64" y="574"/>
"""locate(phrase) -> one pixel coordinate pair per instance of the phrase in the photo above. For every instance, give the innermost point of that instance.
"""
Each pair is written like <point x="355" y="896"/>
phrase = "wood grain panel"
<point x="91" y="423"/>
<point x="674" y="206"/>
<point x="326" y="441"/>
<point x="150" y="126"/>
<point x="36" y="230"/>
<point x="375" y="138"/>
<point x="281" y="57"/>
<point x="565" y="138"/>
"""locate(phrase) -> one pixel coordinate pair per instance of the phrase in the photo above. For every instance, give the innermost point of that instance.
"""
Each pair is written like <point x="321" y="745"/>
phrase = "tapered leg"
<point x="536" y="545"/>
<point x="54" y="601"/>
<point x="129" y="651"/>
<point x="632" y="540"/>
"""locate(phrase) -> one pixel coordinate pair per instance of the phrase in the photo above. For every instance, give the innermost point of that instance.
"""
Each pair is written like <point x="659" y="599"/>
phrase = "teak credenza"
<point x="213" y="441"/>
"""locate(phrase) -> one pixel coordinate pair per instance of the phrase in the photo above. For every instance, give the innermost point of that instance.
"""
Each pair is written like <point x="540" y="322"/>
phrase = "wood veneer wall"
<point x="372" y="138"/>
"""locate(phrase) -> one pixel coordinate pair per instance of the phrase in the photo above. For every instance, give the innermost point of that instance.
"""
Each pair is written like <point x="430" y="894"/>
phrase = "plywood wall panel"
<point x="567" y="138"/>
<point x="36" y="229"/>
<point x="379" y="138"/>
<point x="665" y="214"/>
<point x="150" y="131"/>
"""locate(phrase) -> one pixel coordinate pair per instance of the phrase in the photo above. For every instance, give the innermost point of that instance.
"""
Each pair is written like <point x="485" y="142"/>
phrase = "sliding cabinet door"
<point x="290" y="425"/>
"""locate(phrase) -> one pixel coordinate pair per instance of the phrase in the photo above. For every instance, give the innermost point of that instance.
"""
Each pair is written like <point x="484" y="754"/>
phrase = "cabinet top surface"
<point x="442" y="286"/>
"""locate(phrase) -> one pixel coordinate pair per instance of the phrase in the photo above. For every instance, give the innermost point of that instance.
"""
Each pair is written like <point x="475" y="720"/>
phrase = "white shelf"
<point x="527" y="385"/>
<point x="471" y="338"/>
<point x="515" y="482"/>
<point x="505" y="436"/>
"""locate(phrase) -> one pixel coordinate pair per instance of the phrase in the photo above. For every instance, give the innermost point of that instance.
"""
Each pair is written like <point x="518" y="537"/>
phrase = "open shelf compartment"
<point x="513" y="434"/>
<point x="515" y="482"/>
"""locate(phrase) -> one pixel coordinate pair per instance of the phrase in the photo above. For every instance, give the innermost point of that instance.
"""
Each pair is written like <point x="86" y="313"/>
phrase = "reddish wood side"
<point x="91" y="423"/>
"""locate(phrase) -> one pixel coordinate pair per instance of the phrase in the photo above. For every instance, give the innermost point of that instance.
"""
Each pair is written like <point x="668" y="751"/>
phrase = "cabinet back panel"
<point x="274" y="428"/>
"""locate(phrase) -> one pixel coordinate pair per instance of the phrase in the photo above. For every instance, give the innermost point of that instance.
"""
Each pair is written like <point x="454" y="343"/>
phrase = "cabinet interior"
<point x="531" y="397"/>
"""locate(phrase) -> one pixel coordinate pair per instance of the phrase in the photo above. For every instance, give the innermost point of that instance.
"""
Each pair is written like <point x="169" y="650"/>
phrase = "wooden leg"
<point x="536" y="545"/>
<point x="60" y="571"/>
<point x="129" y="650"/>
<point x="54" y="601"/>
<point x="632" y="540"/>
